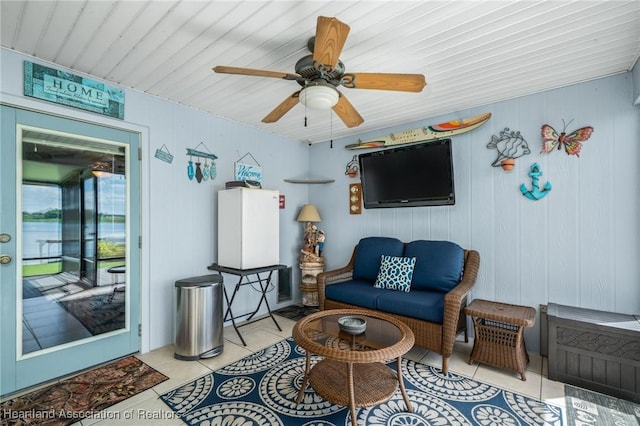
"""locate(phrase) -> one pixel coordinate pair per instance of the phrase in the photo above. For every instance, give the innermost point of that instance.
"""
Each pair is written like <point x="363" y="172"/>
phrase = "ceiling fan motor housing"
<point x="307" y="69"/>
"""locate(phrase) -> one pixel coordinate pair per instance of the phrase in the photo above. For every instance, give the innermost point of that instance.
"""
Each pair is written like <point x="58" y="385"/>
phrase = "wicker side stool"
<point x="499" y="339"/>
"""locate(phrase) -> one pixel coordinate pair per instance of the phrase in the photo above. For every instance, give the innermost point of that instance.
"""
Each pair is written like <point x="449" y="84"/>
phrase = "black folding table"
<point x="248" y="277"/>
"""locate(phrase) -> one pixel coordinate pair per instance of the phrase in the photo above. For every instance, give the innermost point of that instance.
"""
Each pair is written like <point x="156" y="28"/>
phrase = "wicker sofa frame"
<point x="435" y="337"/>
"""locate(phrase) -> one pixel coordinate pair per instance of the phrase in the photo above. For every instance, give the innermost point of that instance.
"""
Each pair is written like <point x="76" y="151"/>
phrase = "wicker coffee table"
<point x="499" y="339"/>
<point x="353" y="372"/>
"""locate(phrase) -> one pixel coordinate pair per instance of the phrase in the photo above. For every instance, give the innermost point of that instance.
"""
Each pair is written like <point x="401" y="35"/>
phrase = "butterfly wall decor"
<point x="572" y="142"/>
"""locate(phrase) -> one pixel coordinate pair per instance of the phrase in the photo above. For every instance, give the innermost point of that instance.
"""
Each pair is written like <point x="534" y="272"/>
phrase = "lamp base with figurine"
<point x="311" y="263"/>
<point x="309" y="282"/>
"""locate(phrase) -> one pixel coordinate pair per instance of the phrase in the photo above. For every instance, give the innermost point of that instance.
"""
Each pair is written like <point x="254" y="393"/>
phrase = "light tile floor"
<point x="147" y="408"/>
<point x="45" y="323"/>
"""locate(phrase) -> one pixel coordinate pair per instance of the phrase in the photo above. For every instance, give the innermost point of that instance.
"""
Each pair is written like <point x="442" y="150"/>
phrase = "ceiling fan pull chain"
<point x="331" y="129"/>
<point x="305" y="114"/>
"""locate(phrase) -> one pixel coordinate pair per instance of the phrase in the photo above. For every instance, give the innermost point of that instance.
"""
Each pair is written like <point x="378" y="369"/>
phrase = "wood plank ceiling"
<point x="471" y="52"/>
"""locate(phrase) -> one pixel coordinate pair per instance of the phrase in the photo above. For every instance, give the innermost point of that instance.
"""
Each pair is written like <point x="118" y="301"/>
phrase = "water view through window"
<point x="42" y="225"/>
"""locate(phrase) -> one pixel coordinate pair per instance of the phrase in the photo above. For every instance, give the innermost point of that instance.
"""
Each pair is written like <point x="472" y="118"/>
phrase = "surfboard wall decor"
<point x="423" y="134"/>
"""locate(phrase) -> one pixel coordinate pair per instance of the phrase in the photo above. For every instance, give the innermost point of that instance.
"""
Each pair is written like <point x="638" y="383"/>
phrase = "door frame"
<point x="30" y="104"/>
<point x="143" y="291"/>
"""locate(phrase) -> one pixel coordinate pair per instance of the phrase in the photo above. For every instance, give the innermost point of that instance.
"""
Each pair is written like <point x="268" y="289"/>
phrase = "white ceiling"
<point x="471" y="52"/>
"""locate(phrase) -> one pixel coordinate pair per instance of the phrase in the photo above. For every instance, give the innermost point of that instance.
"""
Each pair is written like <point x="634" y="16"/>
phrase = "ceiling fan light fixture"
<point x="320" y="97"/>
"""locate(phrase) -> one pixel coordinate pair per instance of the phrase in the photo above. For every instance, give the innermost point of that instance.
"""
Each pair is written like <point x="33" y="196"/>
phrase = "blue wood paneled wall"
<point x="578" y="246"/>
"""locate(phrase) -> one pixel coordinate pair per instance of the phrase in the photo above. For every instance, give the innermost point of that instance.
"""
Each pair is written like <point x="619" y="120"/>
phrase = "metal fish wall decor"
<point x="509" y="145"/>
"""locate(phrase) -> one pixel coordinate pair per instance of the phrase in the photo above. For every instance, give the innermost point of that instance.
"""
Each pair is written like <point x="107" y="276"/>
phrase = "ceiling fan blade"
<point x="255" y="72"/>
<point x="283" y="108"/>
<point x="331" y="34"/>
<point x="347" y="112"/>
<point x="382" y="81"/>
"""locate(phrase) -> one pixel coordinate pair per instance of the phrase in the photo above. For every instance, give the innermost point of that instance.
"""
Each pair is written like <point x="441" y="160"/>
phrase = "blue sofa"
<point x="433" y="304"/>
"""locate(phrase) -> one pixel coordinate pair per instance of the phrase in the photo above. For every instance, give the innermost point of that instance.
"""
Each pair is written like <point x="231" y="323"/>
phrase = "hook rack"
<point x="198" y="172"/>
<point x="197" y="153"/>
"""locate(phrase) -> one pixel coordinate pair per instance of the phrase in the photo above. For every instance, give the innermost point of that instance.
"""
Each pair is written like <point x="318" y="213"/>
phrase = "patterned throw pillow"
<point x="395" y="273"/>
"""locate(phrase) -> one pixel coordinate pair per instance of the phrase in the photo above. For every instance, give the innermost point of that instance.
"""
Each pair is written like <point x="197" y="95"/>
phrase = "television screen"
<point x="411" y="175"/>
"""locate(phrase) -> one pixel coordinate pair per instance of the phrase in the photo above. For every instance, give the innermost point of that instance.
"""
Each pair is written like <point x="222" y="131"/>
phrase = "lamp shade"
<point x="309" y="213"/>
<point x="321" y="97"/>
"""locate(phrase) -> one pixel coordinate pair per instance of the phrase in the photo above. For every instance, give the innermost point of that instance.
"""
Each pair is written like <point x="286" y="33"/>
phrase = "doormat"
<point x="585" y="407"/>
<point x="261" y="389"/>
<point x="296" y="312"/>
<point x="97" y="313"/>
<point x="81" y="397"/>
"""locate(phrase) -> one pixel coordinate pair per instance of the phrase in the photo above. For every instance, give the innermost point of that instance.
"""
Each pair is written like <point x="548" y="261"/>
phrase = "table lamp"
<point x="311" y="260"/>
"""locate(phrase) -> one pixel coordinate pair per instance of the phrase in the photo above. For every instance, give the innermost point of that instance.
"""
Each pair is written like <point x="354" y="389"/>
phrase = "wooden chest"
<point x="596" y="350"/>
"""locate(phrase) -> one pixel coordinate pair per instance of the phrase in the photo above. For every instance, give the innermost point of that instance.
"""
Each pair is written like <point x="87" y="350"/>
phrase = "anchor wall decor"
<point x="535" y="193"/>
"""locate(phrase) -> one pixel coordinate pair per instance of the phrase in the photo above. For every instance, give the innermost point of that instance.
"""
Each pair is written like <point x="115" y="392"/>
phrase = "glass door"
<point x="69" y="291"/>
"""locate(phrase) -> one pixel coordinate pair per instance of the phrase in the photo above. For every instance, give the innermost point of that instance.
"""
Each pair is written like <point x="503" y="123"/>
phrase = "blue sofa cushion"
<point x="439" y="264"/>
<point x="367" y="261"/>
<point x="424" y="305"/>
<point x="395" y="273"/>
<point x="355" y="292"/>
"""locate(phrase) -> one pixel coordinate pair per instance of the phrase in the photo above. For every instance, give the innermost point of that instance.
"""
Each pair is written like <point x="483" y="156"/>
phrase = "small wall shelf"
<point x="310" y="181"/>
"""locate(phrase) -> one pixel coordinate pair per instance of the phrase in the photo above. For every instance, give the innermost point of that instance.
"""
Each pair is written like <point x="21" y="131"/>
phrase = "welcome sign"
<point x="72" y="90"/>
<point x="248" y="172"/>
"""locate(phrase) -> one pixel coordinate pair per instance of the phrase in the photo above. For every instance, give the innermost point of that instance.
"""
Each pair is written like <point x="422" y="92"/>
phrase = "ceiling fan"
<point x="322" y="72"/>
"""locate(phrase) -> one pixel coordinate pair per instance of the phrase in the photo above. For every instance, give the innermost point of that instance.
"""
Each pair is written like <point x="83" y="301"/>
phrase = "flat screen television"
<point x="410" y="175"/>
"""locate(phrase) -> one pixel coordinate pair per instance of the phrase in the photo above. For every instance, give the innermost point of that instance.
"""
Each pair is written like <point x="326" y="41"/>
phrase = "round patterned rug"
<point x="261" y="389"/>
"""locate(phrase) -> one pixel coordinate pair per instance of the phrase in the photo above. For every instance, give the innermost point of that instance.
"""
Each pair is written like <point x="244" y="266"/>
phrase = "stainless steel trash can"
<point x="199" y="317"/>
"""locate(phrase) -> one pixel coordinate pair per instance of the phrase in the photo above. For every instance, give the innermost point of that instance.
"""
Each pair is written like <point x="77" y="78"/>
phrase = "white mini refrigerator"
<point x="248" y="228"/>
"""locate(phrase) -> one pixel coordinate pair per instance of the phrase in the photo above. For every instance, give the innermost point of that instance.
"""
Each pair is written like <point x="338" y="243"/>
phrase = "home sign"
<point x="65" y="88"/>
